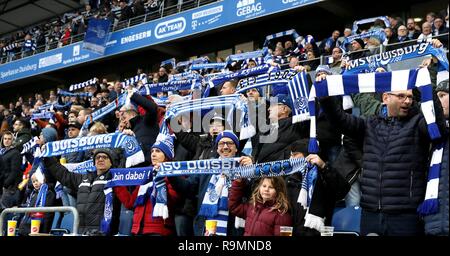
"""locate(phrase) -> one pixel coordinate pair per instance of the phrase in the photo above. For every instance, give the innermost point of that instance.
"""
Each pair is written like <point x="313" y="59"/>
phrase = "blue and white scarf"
<point x="43" y="115"/>
<point x="71" y="94"/>
<point x="371" y="63"/>
<point x="133" y="80"/>
<point x="53" y="106"/>
<point x="189" y="75"/>
<point x="81" y="168"/>
<point x="356" y="23"/>
<point x="187" y="63"/>
<point x="233" y="101"/>
<point x="168" y="62"/>
<point x="375" y="33"/>
<point x="42" y="195"/>
<point x="215" y="203"/>
<point x="100" y="113"/>
<point x="122" y="177"/>
<point x="129" y="144"/>
<point x="30" y="145"/>
<point x="150" y="89"/>
<point x="201" y="66"/>
<point x="335" y="85"/>
<point x="247" y="55"/>
<point x="289" y="32"/>
<point x="431" y="203"/>
<point x="222" y="78"/>
<point x="89" y="82"/>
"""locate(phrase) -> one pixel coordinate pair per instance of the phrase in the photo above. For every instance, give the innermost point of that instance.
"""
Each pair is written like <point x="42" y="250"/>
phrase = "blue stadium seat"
<point x="65" y="224"/>
<point x="346" y="221"/>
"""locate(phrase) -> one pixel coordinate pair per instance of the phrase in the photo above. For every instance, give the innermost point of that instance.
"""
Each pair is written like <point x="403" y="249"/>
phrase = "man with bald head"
<point x="426" y="33"/>
<point x="395" y="161"/>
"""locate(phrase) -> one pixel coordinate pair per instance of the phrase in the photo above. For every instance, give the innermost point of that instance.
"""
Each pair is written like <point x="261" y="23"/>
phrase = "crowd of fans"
<point x="70" y="27"/>
<point x="348" y="168"/>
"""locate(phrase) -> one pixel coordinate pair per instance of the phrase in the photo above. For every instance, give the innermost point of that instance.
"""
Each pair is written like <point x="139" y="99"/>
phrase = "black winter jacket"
<point x="90" y="196"/>
<point x="145" y="127"/>
<point x="11" y="173"/>
<point x="395" y="156"/>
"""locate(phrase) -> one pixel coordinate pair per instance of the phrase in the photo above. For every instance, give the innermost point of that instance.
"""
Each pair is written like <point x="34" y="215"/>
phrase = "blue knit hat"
<point x="282" y="99"/>
<point x="228" y="134"/>
<point x="166" y="146"/>
<point x="49" y="134"/>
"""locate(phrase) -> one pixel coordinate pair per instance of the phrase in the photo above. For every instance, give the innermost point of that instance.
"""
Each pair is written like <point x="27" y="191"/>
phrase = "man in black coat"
<point x="274" y="144"/>
<point x="89" y="188"/>
<point x="22" y="130"/>
<point x="11" y="172"/>
<point x="395" y="162"/>
<point x="144" y="127"/>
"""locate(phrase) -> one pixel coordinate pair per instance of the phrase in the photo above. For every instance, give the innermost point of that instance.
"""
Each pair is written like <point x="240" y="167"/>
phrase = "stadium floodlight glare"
<point x="417" y="19"/>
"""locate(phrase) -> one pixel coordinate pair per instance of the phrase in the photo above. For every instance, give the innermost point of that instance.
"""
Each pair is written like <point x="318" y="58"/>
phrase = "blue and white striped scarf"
<point x="356" y="23"/>
<point x="201" y="66"/>
<point x="150" y="89"/>
<point x="42" y="115"/>
<point x="281" y="34"/>
<point x="375" y="33"/>
<point x="215" y="203"/>
<point x="335" y="85"/>
<point x="371" y="63"/>
<point x="247" y="55"/>
<point x="30" y="145"/>
<point x="100" y="113"/>
<point x="233" y="101"/>
<point x="133" y="80"/>
<point x="222" y="78"/>
<point x="259" y="61"/>
<point x="71" y="94"/>
<point x="171" y="62"/>
<point x="89" y="82"/>
<point x="431" y="202"/>
<point x="124" y="177"/>
<point x="53" y="106"/>
<point x="129" y="144"/>
<point x="189" y="75"/>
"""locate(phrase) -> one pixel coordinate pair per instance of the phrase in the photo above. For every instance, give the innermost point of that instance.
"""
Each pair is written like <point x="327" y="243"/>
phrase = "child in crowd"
<point x="267" y="209"/>
<point x="34" y="201"/>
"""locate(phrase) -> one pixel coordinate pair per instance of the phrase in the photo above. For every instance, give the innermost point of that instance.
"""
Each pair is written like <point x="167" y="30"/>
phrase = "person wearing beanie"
<point x="357" y="49"/>
<point x="48" y="134"/>
<point x="323" y="69"/>
<point x="437" y="224"/>
<point x="197" y="187"/>
<point x="89" y="188"/>
<point x="144" y="223"/>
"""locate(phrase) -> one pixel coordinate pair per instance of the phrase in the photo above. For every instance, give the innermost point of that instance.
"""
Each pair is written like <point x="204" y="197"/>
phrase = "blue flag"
<point x="97" y="35"/>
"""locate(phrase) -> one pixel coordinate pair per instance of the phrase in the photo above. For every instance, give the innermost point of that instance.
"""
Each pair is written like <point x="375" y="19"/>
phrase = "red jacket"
<point x="156" y="225"/>
<point x="260" y="220"/>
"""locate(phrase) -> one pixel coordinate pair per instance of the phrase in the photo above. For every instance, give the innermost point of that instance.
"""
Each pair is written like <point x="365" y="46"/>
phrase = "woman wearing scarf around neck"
<point x="144" y="221"/>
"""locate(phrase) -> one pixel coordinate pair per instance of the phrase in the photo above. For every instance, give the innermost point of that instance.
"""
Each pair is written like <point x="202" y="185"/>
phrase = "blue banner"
<point x="205" y="18"/>
<point x="97" y="35"/>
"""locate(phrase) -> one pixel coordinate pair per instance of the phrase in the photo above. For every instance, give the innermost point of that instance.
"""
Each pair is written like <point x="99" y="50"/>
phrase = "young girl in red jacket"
<point x="267" y="209"/>
<point x="144" y="223"/>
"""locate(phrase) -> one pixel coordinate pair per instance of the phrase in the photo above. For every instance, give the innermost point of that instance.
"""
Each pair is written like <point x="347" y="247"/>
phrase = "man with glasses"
<point x="89" y="189"/>
<point x="195" y="186"/>
<point x="395" y="161"/>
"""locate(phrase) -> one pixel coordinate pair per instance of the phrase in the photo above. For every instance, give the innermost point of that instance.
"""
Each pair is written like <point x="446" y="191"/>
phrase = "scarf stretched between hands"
<point x="189" y="75"/>
<point x="222" y="78"/>
<point x="133" y="152"/>
<point x="91" y="81"/>
<point x="133" y="80"/>
<point x="44" y="115"/>
<point x="335" y="85"/>
<point x="217" y="66"/>
<point x="297" y="84"/>
<point x="289" y="32"/>
<point x="100" y="113"/>
<point x="431" y="202"/>
<point x="374" y="33"/>
<point x="371" y="63"/>
<point x="227" y="101"/>
<point x="247" y="55"/>
<point x="149" y="89"/>
<point x="71" y="94"/>
<point x="53" y="106"/>
<point x="123" y="177"/>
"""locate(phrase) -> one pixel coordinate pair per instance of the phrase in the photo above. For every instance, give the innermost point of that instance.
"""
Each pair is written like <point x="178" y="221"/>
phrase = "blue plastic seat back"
<point x="347" y="219"/>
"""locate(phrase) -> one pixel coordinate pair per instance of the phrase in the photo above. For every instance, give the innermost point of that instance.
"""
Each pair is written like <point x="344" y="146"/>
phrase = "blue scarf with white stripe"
<point x="431" y="202"/>
<point x="122" y="177"/>
<point x="150" y="89"/>
<point x="71" y="94"/>
<point x="226" y="101"/>
<point x="89" y="82"/>
<point x="133" y="80"/>
<point x="335" y="85"/>
<point x="129" y="144"/>
<point x="102" y="112"/>
<point x="289" y="32"/>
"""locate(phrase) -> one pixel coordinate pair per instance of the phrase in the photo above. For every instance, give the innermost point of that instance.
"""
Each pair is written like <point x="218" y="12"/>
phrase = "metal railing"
<point x="163" y="11"/>
<point x="76" y="219"/>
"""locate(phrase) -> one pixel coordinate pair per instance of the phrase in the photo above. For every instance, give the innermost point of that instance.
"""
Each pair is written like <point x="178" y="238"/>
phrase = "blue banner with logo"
<point x="97" y="35"/>
<point x="205" y="18"/>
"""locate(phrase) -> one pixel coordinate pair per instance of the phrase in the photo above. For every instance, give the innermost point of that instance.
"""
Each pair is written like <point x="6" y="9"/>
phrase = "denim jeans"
<point x="390" y="224"/>
<point x="67" y="199"/>
<point x="183" y="225"/>
<point x="354" y="195"/>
